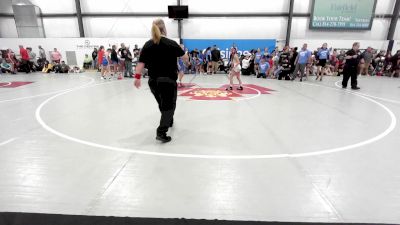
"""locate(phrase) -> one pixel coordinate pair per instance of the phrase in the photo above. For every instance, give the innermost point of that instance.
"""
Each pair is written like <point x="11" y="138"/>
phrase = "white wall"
<point x="397" y="32"/>
<point x="237" y="28"/>
<point x="55" y="6"/>
<point x="302" y="6"/>
<point x="81" y="46"/>
<point x="396" y="45"/>
<point x="384" y="6"/>
<point x="61" y="27"/>
<point x="8" y="28"/>
<point x="126" y="5"/>
<point x="125" y="27"/>
<point x="231" y="6"/>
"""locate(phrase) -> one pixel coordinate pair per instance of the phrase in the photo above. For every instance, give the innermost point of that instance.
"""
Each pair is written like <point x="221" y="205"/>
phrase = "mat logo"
<point x="199" y="93"/>
<point x="14" y="84"/>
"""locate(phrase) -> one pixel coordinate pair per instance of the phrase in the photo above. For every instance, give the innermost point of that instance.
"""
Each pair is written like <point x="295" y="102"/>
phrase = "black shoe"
<point x="239" y="88"/>
<point x="356" y="88"/>
<point x="163" y="138"/>
<point x="301" y="80"/>
<point x="229" y="88"/>
<point x="344" y="87"/>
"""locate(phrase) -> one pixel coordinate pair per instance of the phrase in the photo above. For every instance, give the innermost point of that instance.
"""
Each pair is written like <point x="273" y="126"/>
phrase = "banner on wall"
<point x="243" y="45"/>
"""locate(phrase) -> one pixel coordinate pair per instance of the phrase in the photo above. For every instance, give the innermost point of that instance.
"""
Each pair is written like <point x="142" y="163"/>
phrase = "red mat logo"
<point x="221" y="93"/>
<point x="13" y="84"/>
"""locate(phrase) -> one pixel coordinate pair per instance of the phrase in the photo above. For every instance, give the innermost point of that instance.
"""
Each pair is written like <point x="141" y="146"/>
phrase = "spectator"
<point x="275" y="66"/>
<point x="379" y="65"/>
<point x="94" y="58"/>
<point x="202" y="62"/>
<point x="10" y="57"/>
<point x="42" y="53"/>
<point x="5" y="67"/>
<point x="341" y="61"/>
<point x="56" y="56"/>
<point x="266" y="52"/>
<point x="284" y="62"/>
<point x="87" y="62"/>
<point x="246" y="64"/>
<point x="252" y="57"/>
<point x="128" y="63"/>
<point x="105" y="67"/>
<point x="198" y="65"/>
<point x="136" y="51"/>
<point x="270" y="61"/>
<point x="125" y="62"/>
<point x="388" y="58"/>
<point x="76" y="69"/>
<point x="301" y="61"/>
<point x="114" y="61"/>
<point x="100" y="57"/>
<point x="208" y="60"/>
<point x="263" y="67"/>
<point x="334" y="61"/>
<point x="394" y="63"/>
<point x="62" y="68"/>
<point x="24" y="59"/>
<point x="32" y="59"/>
<point x="367" y="56"/>
<point x="257" y="59"/>
<point x="48" y="67"/>
<point x="194" y="53"/>
<point x="215" y="56"/>
<point x="293" y="59"/>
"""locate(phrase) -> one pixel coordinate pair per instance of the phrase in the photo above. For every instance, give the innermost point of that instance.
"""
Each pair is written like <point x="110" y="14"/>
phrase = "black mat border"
<point x="20" y="218"/>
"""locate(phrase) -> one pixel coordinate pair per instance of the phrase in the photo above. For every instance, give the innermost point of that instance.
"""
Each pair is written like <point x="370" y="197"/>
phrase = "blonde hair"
<point x="158" y="29"/>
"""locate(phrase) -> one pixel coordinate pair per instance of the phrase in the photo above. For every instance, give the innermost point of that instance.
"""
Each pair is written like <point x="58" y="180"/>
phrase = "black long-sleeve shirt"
<point x="161" y="59"/>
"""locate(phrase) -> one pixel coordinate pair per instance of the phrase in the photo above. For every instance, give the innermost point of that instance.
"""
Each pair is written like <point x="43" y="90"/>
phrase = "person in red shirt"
<point x="100" y="55"/>
<point x="24" y="59"/>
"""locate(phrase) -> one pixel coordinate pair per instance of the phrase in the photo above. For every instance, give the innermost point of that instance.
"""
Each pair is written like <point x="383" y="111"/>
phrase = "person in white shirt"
<point x="42" y="53"/>
<point x="246" y="62"/>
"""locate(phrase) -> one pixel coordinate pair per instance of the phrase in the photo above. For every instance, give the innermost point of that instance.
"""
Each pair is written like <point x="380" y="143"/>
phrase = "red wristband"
<point x="138" y="76"/>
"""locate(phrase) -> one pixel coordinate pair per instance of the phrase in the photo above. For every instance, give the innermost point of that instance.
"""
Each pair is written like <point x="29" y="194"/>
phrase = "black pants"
<point x="25" y="66"/>
<point x="349" y="72"/>
<point x="165" y="92"/>
<point x="284" y="74"/>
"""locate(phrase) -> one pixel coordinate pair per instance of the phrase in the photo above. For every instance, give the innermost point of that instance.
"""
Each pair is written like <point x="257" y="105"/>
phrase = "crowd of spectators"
<point x="275" y="63"/>
<point x="27" y="61"/>
<point x="281" y="64"/>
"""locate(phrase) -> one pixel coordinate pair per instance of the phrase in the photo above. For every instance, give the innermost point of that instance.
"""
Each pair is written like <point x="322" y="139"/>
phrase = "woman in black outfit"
<point x="159" y="55"/>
